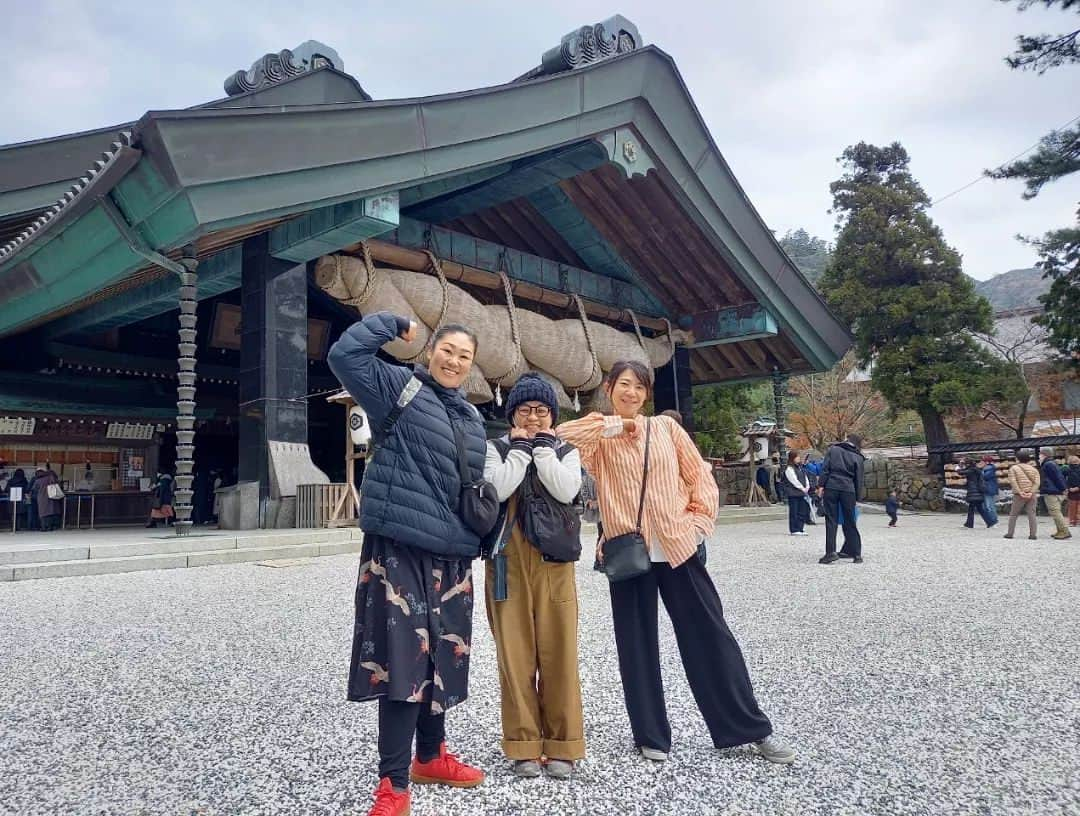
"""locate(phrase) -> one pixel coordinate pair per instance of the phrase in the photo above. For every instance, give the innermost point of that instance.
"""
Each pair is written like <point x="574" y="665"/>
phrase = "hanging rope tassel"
<point x="498" y="394"/>
<point x="577" y="402"/>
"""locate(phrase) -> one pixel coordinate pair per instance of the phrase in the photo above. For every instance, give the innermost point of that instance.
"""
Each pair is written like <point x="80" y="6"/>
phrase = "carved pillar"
<point x="780" y="387"/>
<point x="185" y="392"/>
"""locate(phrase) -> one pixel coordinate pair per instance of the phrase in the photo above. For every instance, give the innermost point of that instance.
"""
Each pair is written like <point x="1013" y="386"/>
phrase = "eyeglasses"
<point x="539" y="411"/>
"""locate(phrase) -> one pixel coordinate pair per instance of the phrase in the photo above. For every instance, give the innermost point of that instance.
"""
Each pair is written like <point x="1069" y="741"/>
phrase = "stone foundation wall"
<point x="915" y="488"/>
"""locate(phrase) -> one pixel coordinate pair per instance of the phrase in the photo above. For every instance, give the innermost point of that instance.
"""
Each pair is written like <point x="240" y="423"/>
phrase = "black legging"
<point x="398" y="722"/>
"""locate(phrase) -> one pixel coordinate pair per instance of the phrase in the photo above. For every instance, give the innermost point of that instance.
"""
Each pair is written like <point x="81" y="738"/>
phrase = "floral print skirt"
<point x="413" y="628"/>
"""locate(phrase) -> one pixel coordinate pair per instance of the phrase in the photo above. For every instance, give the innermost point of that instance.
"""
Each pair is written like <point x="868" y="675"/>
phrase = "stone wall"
<point x="915" y="488"/>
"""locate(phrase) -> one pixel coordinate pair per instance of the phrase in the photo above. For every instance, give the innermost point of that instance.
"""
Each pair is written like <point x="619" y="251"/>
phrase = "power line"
<point x="1007" y="161"/>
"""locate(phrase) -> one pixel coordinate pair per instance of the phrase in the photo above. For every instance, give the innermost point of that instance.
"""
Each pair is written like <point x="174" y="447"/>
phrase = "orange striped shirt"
<point x="681" y="496"/>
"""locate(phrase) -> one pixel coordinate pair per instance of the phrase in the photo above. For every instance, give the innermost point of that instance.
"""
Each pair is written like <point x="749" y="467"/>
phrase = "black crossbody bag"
<point x="478" y="503"/>
<point x="627" y="556"/>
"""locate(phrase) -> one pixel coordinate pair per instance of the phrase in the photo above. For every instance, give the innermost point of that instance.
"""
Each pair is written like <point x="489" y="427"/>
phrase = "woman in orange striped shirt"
<point x="680" y="511"/>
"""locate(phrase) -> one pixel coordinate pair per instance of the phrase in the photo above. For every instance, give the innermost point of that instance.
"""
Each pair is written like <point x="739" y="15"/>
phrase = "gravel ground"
<point x="940" y="677"/>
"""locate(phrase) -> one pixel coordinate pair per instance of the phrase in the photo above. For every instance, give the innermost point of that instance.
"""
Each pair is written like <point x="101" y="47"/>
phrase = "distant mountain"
<point x="1016" y="289"/>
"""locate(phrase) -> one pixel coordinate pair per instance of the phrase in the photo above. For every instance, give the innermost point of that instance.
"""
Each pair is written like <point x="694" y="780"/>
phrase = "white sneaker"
<point x="801" y="532"/>
<point x="775" y="750"/>
<point x="655" y="754"/>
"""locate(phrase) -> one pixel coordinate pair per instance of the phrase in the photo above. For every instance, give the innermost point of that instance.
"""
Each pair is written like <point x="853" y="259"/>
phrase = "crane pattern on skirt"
<point x="413" y="629"/>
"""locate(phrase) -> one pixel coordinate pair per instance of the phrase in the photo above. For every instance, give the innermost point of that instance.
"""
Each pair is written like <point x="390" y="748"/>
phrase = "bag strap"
<point x="644" y="476"/>
<point x="411" y="389"/>
<point x="462" y="457"/>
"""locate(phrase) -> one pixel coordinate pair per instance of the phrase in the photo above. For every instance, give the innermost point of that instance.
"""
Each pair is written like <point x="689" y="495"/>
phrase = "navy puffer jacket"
<point x="411" y="486"/>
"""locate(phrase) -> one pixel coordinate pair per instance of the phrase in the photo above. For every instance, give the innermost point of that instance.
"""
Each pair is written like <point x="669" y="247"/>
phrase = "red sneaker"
<point x="389" y="802"/>
<point x="445" y="769"/>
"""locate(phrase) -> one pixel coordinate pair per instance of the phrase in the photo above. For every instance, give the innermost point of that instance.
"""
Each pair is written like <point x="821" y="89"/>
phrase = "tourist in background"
<point x="892" y="507"/>
<point x="1072" y="482"/>
<point x="48" y="508"/>
<point x="811" y="469"/>
<point x="975" y="494"/>
<point x="762" y="480"/>
<point x="161" y="508"/>
<point x="840" y="487"/>
<point x="776" y="485"/>
<point x="990" y="487"/>
<point x="1024" y="482"/>
<point x="797" y="488"/>
<point x="532" y="604"/>
<point x="1053" y="491"/>
<point x="18" y="480"/>
<point x="680" y="509"/>
<point x="412" y="631"/>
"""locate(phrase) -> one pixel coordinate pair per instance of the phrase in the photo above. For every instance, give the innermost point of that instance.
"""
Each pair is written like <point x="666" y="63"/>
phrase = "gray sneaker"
<point x="527" y="768"/>
<point x="559" y="768"/>
<point x="775" y="750"/>
<point x="655" y="754"/>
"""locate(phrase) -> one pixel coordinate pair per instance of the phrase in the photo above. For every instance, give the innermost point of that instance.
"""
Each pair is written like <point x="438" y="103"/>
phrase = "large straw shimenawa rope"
<point x="554" y="348"/>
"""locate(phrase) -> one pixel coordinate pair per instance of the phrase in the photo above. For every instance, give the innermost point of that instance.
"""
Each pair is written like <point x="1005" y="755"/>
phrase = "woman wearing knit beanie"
<point x="531" y="594"/>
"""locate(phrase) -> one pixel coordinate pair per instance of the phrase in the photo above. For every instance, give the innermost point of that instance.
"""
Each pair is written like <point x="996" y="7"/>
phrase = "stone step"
<point x="751" y="514"/>
<point x="166" y="544"/>
<point x="176" y="560"/>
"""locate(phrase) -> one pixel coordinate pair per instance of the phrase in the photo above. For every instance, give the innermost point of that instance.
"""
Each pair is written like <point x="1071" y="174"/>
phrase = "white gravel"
<point x="940" y="677"/>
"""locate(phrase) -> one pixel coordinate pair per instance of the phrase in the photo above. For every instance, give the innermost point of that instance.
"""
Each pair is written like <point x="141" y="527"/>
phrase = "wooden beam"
<point x="526" y="267"/>
<point x="657" y="197"/>
<point x="416" y="261"/>
<point x="679" y="256"/>
<point x="525" y="209"/>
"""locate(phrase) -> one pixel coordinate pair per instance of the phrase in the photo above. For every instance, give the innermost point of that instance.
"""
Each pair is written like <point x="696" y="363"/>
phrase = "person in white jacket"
<point x="797" y="485"/>
<point x="532" y="602"/>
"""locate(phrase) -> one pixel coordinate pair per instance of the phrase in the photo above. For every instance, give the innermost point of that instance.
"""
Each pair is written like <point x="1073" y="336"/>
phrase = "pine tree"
<point x="900" y="286"/>
<point x="1057" y="156"/>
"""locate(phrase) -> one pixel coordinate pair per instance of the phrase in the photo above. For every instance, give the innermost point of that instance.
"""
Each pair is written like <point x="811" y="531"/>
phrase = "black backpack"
<point x="549" y="525"/>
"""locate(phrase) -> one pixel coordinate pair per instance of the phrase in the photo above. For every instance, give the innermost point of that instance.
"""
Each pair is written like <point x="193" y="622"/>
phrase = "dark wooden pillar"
<point x="273" y="353"/>
<point x="672" y="391"/>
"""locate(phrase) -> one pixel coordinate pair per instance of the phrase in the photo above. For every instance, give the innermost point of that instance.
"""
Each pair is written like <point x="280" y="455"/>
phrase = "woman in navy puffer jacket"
<point x="413" y="628"/>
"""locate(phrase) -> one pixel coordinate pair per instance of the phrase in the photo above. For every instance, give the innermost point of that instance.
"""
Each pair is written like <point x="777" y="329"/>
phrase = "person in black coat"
<point x="18" y="479"/>
<point x="976" y="493"/>
<point x="412" y="632"/>
<point x="840" y="487"/>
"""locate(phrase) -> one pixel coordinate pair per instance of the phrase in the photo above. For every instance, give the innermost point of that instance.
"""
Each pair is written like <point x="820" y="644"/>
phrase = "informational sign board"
<point x="17" y="426"/>
<point x="15" y="494"/>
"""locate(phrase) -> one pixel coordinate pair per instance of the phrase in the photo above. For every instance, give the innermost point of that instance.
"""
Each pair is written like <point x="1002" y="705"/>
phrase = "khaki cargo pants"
<point x="536" y="640"/>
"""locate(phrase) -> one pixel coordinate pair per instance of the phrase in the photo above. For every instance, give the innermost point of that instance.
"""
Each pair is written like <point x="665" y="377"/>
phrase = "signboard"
<point x="17" y="426"/>
<point x="15" y="494"/>
<point x="129" y="430"/>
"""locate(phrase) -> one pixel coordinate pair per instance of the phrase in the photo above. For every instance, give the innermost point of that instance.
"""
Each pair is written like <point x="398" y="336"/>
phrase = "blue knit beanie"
<point x="532" y="388"/>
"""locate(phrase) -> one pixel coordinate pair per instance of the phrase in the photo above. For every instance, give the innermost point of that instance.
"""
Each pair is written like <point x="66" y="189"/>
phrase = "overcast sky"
<point x="783" y="85"/>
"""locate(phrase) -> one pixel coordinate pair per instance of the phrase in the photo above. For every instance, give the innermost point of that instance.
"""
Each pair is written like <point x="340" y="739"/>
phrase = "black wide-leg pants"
<point x="711" y="657"/>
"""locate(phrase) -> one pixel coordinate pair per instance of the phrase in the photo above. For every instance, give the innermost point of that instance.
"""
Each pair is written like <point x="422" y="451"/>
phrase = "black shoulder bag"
<point x="549" y="525"/>
<point x="478" y="503"/>
<point x="627" y="556"/>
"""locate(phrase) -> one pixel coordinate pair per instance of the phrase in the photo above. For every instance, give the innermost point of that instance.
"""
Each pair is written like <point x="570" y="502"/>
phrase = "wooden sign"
<point x="17" y="426"/>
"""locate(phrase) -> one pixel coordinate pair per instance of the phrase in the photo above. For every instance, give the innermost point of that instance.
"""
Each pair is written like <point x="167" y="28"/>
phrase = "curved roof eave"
<point x="235" y="163"/>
